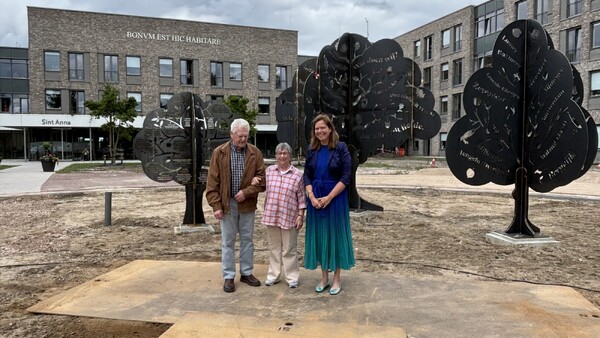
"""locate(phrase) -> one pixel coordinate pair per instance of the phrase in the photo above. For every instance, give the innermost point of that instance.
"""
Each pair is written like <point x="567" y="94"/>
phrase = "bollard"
<point x="107" y="208"/>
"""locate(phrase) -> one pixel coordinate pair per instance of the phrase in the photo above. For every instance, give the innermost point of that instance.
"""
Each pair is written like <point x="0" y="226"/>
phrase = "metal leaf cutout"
<point x="524" y="124"/>
<point x="370" y="91"/>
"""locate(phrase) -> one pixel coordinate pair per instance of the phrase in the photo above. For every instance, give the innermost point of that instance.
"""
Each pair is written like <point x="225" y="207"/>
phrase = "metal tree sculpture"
<point x="524" y="124"/>
<point x="172" y="148"/>
<point x="370" y="91"/>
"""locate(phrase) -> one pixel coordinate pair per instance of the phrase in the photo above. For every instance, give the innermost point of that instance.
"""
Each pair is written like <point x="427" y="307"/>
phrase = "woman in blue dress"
<point x="327" y="173"/>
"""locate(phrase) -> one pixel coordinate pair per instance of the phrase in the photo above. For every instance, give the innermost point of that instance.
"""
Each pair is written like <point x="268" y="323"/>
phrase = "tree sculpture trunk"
<point x="521" y="223"/>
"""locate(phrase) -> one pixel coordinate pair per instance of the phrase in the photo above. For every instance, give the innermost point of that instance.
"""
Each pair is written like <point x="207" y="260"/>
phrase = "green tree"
<point x="119" y="114"/>
<point x="239" y="107"/>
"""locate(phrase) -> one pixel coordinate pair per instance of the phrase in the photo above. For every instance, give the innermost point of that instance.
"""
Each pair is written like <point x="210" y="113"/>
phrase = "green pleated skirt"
<point x="328" y="240"/>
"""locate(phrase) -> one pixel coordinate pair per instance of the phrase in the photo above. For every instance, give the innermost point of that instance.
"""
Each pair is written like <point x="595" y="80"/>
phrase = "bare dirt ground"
<point x="53" y="242"/>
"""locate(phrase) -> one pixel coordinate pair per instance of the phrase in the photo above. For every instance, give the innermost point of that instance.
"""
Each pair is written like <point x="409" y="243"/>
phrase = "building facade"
<point x="14" y="97"/>
<point x="450" y="49"/>
<point x="72" y="55"/>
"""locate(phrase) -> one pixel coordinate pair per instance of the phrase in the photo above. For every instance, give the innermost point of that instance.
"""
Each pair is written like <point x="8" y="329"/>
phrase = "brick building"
<point x="449" y="49"/>
<point x="73" y="54"/>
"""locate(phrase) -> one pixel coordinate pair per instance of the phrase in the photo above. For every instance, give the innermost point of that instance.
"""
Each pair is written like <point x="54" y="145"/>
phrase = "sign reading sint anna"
<point x="57" y="122"/>
<point x="175" y="38"/>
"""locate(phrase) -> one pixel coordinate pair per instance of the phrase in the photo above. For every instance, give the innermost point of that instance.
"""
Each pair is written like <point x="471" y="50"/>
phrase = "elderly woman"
<point x="285" y="204"/>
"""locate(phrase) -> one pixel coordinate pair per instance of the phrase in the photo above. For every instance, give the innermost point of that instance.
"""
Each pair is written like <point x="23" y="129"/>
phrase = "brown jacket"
<point x="219" y="178"/>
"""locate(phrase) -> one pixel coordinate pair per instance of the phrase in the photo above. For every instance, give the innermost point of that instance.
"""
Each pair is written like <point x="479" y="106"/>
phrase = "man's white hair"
<point x="239" y="123"/>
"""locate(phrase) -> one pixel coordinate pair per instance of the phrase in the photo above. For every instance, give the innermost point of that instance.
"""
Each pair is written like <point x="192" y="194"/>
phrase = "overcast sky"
<point x="318" y="22"/>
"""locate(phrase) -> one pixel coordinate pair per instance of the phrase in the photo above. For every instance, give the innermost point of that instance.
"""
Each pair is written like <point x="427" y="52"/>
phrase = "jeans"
<point x="233" y="223"/>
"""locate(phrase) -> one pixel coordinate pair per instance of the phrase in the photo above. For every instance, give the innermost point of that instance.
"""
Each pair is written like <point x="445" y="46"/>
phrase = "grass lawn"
<point x="92" y="166"/>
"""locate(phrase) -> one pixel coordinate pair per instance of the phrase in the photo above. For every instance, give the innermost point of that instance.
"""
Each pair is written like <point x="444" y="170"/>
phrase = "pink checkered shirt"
<point x="284" y="197"/>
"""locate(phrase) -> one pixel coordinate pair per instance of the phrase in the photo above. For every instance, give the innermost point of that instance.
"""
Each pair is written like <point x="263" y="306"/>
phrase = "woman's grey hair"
<point x="283" y="146"/>
<point x="239" y="123"/>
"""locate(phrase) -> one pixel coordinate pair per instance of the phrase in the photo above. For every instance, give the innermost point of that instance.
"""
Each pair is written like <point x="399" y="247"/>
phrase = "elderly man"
<point x="233" y="198"/>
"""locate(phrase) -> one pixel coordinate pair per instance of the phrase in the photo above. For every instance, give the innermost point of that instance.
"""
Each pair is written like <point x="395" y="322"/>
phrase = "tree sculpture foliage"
<point x="524" y="123"/>
<point x="119" y="115"/>
<point x="372" y="93"/>
<point x="174" y="144"/>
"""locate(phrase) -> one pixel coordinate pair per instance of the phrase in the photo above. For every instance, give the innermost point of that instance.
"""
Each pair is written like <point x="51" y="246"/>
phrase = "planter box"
<point x="48" y="165"/>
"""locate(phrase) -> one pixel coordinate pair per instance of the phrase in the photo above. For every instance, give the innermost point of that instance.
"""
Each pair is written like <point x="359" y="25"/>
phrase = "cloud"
<point x="318" y="22"/>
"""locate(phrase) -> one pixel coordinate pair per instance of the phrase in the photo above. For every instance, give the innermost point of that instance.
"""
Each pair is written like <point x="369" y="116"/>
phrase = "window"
<point x="445" y="38"/>
<point x="77" y="100"/>
<point x="186" y="74"/>
<point x="456" y="106"/>
<point x="483" y="61"/>
<point x="217" y="98"/>
<point x="165" y="67"/>
<point x="417" y="49"/>
<point x="427" y="77"/>
<point x="164" y="99"/>
<point x="595" y="83"/>
<point x="444" y="68"/>
<point x="6" y="103"/>
<point x="280" y="77"/>
<point x="263" y="105"/>
<point x="595" y="5"/>
<point x="15" y="69"/>
<point x="111" y="68"/>
<point x="574" y="7"/>
<point x="235" y="71"/>
<point x="541" y="11"/>
<point x="138" y="99"/>
<point x="20" y="69"/>
<point x="263" y="73"/>
<point x="522" y="10"/>
<point x="16" y="103"/>
<point x="76" y="66"/>
<point x="457" y="72"/>
<point x="5" y="68"/>
<point x="596" y="34"/>
<point x="216" y="74"/>
<point x="134" y="66"/>
<point x="22" y="104"/>
<point x="443" y="105"/>
<point x="52" y="61"/>
<point x="53" y="99"/>
<point x="443" y="137"/>
<point x="428" y="48"/>
<point x="489" y="23"/>
<point x="457" y="38"/>
<point x="574" y="44"/>
<point x="499" y="20"/>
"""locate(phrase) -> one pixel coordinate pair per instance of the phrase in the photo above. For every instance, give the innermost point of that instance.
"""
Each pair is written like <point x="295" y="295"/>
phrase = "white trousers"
<point x="283" y="254"/>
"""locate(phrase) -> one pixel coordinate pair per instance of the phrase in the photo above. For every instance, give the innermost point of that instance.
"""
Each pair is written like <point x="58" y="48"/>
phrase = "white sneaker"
<point x="293" y="284"/>
<point x="269" y="282"/>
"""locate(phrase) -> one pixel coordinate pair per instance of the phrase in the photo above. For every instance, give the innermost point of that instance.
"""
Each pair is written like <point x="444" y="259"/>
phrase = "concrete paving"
<point x="24" y="177"/>
<point x="449" y="306"/>
<point x="27" y="177"/>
